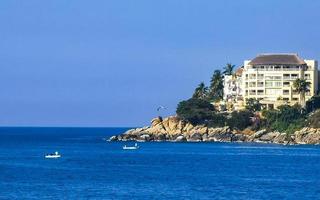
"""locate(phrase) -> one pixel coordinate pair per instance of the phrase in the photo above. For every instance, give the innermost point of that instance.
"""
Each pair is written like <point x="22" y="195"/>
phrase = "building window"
<point x="285" y="92"/>
<point x="260" y="84"/>
<point x="286" y="76"/>
<point x="277" y="68"/>
<point x="307" y="76"/>
<point x="252" y="76"/>
<point x="260" y="92"/>
<point x="252" y="92"/>
<point x="252" y="84"/>
<point x="294" y="76"/>
<point x="286" y="84"/>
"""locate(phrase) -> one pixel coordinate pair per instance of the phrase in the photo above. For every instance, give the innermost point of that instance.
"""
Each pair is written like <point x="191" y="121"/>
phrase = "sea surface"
<point x="91" y="168"/>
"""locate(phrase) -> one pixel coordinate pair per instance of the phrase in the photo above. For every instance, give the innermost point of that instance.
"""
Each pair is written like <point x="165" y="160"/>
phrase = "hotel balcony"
<point x="260" y="85"/>
<point x="286" y="84"/>
<point x="290" y="77"/>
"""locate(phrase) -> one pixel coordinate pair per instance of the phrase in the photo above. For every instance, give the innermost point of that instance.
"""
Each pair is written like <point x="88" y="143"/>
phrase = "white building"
<point x="233" y="91"/>
<point x="269" y="78"/>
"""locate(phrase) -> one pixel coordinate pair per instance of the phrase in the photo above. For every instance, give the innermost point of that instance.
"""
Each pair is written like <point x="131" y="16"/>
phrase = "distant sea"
<point x="91" y="168"/>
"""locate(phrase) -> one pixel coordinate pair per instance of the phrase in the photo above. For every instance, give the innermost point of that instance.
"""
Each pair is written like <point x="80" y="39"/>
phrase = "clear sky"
<point x="113" y="62"/>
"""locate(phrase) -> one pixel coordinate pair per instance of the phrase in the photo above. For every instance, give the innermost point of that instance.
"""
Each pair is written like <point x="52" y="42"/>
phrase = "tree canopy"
<point x="196" y="111"/>
<point x="301" y="86"/>
<point x="216" y="86"/>
<point x="201" y="92"/>
<point x="253" y="105"/>
<point x="313" y="104"/>
<point x="228" y="69"/>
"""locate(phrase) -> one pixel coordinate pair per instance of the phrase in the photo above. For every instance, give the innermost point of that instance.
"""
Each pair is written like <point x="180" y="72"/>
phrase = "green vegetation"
<point x="196" y="111"/>
<point x="201" y="92"/>
<point x="228" y="69"/>
<point x="240" y="120"/>
<point x="314" y="120"/>
<point x="216" y="86"/>
<point x="253" y="105"/>
<point x="285" y="119"/>
<point x="313" y="104"/>
<point x="302" y="86"/>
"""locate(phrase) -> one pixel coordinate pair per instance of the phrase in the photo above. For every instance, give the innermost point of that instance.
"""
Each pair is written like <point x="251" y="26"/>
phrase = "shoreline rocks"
<point x="175" y="130"/>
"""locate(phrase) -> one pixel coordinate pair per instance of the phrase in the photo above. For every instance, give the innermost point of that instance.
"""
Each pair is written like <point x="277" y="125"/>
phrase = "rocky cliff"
<point x="176" y="130"/>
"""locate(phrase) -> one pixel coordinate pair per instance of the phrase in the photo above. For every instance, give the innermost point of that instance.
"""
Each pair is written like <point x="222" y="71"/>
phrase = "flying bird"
<point x="160" y="108"/>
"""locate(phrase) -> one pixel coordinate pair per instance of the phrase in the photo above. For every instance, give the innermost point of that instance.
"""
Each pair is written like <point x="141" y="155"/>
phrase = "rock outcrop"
<point x="176" y="130"/>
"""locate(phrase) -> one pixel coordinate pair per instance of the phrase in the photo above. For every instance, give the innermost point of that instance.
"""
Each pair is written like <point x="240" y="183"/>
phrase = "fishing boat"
<point x="125" y="147"/>
<point x="53" y="155"/>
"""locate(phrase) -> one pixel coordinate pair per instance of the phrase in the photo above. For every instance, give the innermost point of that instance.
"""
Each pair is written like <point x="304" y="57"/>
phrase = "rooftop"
<point x="277" y="59"/>
<point x="239" y="71"/>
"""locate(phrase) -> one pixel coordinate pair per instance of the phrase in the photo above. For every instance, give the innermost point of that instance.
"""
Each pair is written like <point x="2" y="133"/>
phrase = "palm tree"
<point x="200" y="92"/>
<point x="301" y="86"/>
<point x="228" y="69"/>
<point x="216" y="86"/>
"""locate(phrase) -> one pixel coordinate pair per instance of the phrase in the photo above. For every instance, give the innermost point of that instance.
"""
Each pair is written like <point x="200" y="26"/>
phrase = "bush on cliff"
<point x="240" y="119"/>
<point x="199" y="111"/>
<point x="253" y="105"/>
<point x="314" y="120"/>
<point x="286" y="119"/>
<point x="217" y="120"/>
<point x="313" y="104"/>
<point x="196" y="111"/>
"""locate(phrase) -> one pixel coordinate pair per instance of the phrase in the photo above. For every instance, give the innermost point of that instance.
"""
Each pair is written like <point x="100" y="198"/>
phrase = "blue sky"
<point x="112" y="63"/>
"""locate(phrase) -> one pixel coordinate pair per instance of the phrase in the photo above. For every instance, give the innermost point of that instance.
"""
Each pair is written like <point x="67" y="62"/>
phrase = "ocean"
<point x="91" y="168"/>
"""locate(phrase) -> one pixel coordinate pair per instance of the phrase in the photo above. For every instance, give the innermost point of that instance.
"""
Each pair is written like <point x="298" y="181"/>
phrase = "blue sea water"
<point x="91" y="168"/>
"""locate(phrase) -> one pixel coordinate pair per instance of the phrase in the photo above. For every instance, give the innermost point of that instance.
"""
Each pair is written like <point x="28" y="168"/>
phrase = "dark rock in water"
<point x="258" y="134"/>
<point x="239" y="138"/>
<point x="223" y="137"/>
<point x="282" y="139"/>
<point x="160" y="137"/>
<point x="268" y="137"/>
<point x="180" y="138"/>
<point x="196" y="137"/>
<point x="144" y="137"/>
<point x="113" y="138"/>
<point x="119" y="137"/>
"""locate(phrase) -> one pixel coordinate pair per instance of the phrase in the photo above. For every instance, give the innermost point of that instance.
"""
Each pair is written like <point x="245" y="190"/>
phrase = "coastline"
<point x="172" y="129"/>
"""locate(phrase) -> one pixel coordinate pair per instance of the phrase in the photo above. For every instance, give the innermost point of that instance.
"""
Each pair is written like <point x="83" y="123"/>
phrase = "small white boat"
<point x="125" y="147"/>
<point x="53" y="155"/>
